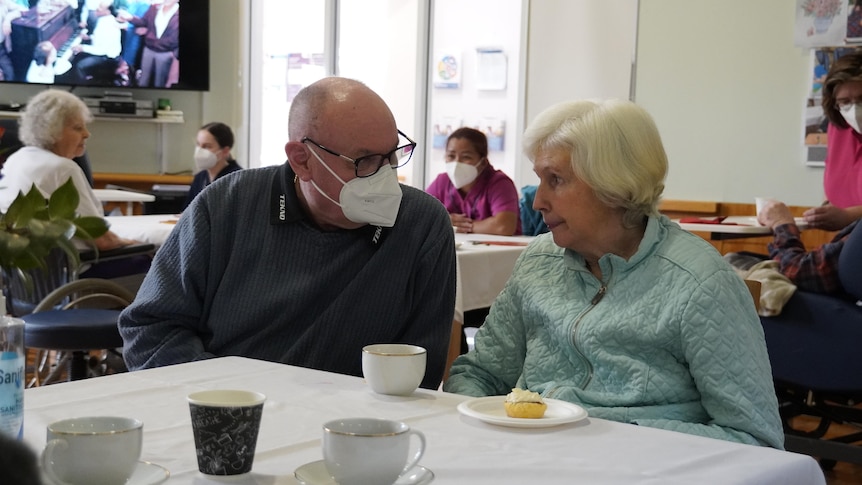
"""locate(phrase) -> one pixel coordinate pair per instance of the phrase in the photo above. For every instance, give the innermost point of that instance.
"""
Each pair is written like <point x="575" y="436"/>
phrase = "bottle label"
<point x="12" y="394"/>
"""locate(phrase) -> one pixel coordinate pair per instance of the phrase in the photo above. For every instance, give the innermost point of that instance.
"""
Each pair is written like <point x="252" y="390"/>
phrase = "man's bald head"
<point x="329" y="101"/>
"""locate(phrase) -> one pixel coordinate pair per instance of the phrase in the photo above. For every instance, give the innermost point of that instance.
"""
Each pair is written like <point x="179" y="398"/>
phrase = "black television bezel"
<point x="194" y="54"/>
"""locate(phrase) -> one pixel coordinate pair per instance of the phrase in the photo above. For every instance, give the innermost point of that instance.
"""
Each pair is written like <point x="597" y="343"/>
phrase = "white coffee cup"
<point x="369" y="451"/>
<point x="759" y="203"/>
<point x="394" y="369"/>
<point x="96" y="450"/>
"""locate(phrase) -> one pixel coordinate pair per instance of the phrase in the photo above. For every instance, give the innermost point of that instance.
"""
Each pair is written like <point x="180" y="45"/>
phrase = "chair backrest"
<point x="850" y="263"/>
<point x="754" y="288"/>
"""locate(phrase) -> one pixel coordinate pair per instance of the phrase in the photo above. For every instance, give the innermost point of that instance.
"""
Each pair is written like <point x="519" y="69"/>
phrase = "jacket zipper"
<point x="603" y="288"/>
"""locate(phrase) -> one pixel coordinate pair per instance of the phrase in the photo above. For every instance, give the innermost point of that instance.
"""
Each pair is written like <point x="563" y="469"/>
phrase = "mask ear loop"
<point x="314" y="184"/>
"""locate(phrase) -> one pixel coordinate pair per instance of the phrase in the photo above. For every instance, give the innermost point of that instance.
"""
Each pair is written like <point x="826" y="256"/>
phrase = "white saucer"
<point x="315" y="473"/>
<point x="145" y="473"/>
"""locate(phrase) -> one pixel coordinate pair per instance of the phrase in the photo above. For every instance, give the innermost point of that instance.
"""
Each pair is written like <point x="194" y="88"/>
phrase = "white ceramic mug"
<point x="96" y="450"/>
<point x="225" y="424"/>
<point x="394" y="369"/>
<point x="369" y="451"/>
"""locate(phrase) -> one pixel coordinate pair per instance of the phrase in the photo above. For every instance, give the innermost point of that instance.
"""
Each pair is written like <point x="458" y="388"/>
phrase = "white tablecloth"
<point x="460" y="449"/>
<point x="129" y="197"/>
<point x="149" y="229"/>
<point x="483" y="269"/>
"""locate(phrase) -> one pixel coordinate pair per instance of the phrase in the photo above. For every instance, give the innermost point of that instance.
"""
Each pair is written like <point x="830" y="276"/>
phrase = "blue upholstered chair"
<point x="814" y="348"/>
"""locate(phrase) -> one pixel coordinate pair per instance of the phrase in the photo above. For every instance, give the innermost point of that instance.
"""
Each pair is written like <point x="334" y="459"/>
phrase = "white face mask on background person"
<point x="461" y="174"/>
<point x="853" y="116"/>
<point x="367" y="200"/>
<point x="204" y="159"/>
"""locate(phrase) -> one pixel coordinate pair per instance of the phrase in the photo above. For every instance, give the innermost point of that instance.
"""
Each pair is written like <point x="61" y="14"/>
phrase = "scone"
<point x="521" y="403"/>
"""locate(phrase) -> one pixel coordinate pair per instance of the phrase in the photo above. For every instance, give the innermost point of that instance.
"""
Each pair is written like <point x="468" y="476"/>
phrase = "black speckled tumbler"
<point x="225" y="424"/>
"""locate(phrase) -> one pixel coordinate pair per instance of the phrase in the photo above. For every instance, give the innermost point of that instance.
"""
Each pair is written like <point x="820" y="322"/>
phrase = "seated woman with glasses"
<point x="478" y="197"/>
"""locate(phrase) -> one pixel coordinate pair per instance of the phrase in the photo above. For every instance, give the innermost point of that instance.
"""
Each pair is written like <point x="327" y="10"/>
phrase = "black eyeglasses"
<point x="369" y="164"/>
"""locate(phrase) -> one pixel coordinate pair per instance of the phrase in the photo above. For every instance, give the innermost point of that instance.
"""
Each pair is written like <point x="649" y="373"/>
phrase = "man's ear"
<point x="297" y="157"/>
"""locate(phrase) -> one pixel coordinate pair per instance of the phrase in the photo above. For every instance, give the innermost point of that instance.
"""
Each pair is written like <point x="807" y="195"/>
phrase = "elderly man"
<point x="307" y="262"/>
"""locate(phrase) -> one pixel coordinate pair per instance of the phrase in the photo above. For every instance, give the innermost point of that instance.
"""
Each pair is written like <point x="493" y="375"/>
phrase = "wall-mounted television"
<point x="152" y="44"/>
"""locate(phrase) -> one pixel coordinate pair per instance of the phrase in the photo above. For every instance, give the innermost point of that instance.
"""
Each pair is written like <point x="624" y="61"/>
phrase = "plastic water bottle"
<point x="12" y="360"/>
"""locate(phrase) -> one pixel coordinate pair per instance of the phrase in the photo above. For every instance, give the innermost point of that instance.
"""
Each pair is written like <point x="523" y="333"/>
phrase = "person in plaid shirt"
<point x="816" y="270"/>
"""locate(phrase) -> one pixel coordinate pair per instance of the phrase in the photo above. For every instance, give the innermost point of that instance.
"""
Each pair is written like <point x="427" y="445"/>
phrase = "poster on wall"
<point x="494" y="129"/>
<point x="447" y="71"/>
<point x="443" y="127"/>
<point x="491" y="69"/>
<point x="821" y="23"/>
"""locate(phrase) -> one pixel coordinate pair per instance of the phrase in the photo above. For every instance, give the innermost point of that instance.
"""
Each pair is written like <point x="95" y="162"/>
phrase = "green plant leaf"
<point x="33" y="226"/>
<point x="64" y="201"/>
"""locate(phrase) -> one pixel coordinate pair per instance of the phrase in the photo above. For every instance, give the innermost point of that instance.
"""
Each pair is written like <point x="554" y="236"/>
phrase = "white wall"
<point x="577" y="49"/>
<point x="727" y="87"/>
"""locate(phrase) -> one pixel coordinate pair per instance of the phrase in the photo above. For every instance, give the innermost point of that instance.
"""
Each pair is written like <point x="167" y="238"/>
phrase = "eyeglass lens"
<point x="369" y="165"/>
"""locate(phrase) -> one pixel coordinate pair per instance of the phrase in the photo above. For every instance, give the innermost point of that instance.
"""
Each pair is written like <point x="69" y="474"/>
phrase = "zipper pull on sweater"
<point x="598" y="297"/>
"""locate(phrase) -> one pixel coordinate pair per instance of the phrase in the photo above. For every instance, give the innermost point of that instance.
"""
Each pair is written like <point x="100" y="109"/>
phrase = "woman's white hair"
<point x="47" y="114"/>
<point x="615" y="149"/>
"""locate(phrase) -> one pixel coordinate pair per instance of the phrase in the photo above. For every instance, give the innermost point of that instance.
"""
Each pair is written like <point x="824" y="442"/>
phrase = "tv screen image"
<point x="153" y="44"/>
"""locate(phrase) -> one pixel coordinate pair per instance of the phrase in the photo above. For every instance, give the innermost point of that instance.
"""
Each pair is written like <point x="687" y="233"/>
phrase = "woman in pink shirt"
<point x="479" y="198"/>
<point x="842" y="180"/>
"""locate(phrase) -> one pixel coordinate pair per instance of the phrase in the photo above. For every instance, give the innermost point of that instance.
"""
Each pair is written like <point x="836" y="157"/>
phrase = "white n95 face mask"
<point x="853" y="117"/>
<point x="204" y="159"/>
<point x="461" y="174"/>
<point x="367" y="200"/>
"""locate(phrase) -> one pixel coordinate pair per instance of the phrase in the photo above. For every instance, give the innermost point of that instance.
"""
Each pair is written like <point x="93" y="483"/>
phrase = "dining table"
<point x="127" y="196"/>
<point x="731" y="227"/>
<point x="466" y="442"/>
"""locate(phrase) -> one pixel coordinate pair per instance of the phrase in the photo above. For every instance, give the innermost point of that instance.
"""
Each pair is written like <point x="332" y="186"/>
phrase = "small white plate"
<point x="315" y="473"/>
<point x="145" y="473"/>
<point x="491" y="410"/>
<point x="457" y="245"/>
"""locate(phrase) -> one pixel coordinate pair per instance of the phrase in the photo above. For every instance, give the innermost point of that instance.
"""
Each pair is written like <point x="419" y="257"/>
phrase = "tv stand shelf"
<point x="163" y="163"/>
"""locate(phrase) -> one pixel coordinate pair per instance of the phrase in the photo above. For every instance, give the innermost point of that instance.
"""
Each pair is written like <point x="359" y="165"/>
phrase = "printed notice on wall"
<point x="491" y="69"/>
<point x="447" y="71"/>
<point x="821" y="22"/>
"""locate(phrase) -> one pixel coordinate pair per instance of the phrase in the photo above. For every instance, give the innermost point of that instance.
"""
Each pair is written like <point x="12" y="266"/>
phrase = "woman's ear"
<point x="297" y="157"/>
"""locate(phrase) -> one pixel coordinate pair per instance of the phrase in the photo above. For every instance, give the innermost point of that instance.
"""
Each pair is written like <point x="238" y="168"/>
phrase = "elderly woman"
<point x="54" y="130"/>
<point x="617" y="309"/>
<point x="479" y="198"/>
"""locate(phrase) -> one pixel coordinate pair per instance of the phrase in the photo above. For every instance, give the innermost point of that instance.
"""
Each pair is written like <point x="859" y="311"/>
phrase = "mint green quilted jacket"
<point x="674" y="342"/>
